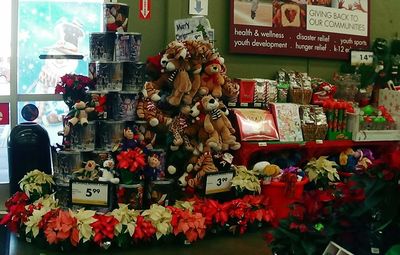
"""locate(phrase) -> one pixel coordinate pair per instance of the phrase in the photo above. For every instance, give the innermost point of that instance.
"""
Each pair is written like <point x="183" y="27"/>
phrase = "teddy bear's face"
<point x="209" y="103"/>
<point x="213" y="68"/>
<point x="80" y="105"/>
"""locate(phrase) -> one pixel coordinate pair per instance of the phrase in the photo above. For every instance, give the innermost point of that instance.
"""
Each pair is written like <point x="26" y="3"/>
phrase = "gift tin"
<point x="67" y="163"/>
<point x="116" y="17"/>
<point x="108" y="75"/>
<point x="134" y="76"/>
<point x="122" y="106"/>
<point x="102" y="46"/>
<point x="127" y="46"/>
<point x="83" y="137"/>
<point x="110" y="134"/>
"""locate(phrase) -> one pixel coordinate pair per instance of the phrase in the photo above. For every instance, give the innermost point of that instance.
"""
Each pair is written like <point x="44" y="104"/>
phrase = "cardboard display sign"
<point x="91" y="194"/>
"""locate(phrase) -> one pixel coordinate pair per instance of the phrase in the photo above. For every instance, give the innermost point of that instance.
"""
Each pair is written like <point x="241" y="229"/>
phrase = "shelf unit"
<point x="251" y="150"/>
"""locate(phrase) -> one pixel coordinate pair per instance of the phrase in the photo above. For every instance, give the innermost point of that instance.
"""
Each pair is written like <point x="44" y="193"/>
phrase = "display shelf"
<point x="311" y="149"/>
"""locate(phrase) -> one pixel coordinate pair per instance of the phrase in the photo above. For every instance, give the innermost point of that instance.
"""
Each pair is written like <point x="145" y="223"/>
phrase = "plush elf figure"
<point x="153" y="169"/>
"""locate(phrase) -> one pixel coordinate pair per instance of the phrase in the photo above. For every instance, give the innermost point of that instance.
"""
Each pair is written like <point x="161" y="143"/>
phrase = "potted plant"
<point x="245" y="181"/>
<point x="322" y="171"/>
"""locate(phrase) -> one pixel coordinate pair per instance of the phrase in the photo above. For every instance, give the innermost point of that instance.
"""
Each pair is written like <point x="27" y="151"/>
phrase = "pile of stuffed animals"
<point x="185" y="97"/>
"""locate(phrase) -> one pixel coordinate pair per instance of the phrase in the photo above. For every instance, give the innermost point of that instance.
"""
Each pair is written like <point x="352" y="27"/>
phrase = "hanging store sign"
<point x="306" y="28"/>
<point x="145" y="9"/>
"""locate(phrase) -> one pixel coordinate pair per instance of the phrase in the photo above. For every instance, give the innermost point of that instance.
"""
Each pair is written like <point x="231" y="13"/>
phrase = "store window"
<point x="49" y="37"/>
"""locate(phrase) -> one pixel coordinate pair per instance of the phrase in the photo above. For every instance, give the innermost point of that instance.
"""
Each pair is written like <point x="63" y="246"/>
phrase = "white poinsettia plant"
<point x="184" y="205"/>
<point x="322" y="170"/>
<point x="246" y="180"/>
<point x="126" y="220"/>
<point x="36" y="183"/>
<point x="83" y="220"/>
<point x="161" y="218"/>
<point x="46" y="204"/>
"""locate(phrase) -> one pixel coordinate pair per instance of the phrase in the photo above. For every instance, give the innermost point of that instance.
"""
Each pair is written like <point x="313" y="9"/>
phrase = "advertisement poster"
<point x="306" y="28"/>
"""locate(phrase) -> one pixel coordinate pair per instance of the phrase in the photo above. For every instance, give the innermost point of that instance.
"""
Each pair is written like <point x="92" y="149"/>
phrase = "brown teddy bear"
<point x="212" y="79"/>
<point x="199" y="52"/>
<point x="176" y="61"/>
<point x="78" y="114"/>
<point x="157" y="73"/>
<point x="218" y="126"/>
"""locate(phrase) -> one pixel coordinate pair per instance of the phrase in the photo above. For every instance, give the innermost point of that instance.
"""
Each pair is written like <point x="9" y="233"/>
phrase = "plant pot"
<point x="278" y="200"/>
<point x="128" y="178"/>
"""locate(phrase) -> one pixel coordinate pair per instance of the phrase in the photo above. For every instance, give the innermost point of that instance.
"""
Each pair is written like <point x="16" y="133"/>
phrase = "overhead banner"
<point x="307" y="28"/>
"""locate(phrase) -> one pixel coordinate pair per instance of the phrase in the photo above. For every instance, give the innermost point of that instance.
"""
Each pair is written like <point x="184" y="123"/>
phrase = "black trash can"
<point x="28" y="149"/>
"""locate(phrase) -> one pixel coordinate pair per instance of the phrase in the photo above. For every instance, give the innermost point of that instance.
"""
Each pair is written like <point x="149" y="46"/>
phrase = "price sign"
<point x="360" y="57"/>
<point x="218" y="182"/>
<point x="90" y="193"/>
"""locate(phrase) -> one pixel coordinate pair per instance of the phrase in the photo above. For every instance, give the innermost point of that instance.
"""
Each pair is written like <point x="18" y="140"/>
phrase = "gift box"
<point x="247" y="88"/>
<point x="255" y="125"/>
<point x="313" y="122"/>
<point x="390" y="99"/>
<point x="287" y="118"/>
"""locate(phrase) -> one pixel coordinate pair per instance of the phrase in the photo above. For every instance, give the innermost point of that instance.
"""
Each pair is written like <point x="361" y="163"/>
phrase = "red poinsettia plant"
<point x="74" y="87"/>
<point x="103" y="228"/>
<point x="191" y="225"/>
<point x="144" y="230"/>
<point x="17" y="213"/>
<point x="62" y="226"/>
<point x="132" y="160"/>
<point x="235" y="215"/>
<point x="314" y="221"/>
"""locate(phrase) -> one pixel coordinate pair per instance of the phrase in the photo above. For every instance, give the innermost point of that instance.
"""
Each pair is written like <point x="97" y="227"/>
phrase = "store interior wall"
<point x="159" y="30"/>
